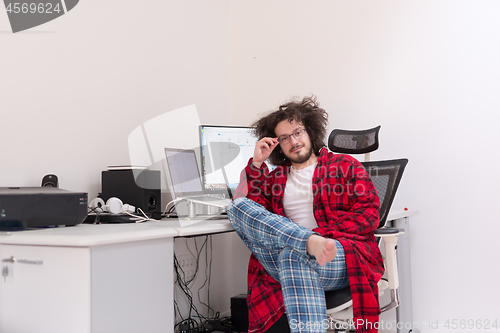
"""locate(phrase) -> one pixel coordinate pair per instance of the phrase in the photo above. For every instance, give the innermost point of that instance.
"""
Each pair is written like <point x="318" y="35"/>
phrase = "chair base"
<point x="341" y="317"/>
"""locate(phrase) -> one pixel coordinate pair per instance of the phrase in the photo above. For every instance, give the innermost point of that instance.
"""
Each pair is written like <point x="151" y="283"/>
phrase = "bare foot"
<point x="323" y="249"/>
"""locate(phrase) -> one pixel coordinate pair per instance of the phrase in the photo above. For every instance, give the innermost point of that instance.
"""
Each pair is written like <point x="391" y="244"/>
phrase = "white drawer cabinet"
<point x="120" y="287"/>
<point x="46" y="289"/>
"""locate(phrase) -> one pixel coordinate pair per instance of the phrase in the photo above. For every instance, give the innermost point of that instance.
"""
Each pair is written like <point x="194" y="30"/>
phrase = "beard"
<point x="300" y="158"/>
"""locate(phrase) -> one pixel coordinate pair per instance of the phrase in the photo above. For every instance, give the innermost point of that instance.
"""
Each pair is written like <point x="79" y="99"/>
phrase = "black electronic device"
<point x="50" y="181"/>
<point x="32" y="207"/>
<point x="139" y="188"/>
<point x="239" y="313"/>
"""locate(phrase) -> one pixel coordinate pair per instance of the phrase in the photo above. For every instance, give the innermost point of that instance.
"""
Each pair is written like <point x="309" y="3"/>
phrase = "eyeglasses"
<point x="285" y="139"/>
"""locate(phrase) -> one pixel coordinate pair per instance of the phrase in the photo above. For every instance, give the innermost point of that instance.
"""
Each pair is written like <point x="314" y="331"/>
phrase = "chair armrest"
<point x="390" y="238"/>
<point x="384" y="232"/>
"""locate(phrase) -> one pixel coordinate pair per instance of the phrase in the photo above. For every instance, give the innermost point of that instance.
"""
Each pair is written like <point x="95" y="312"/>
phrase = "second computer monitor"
<point x="225" y="151"/>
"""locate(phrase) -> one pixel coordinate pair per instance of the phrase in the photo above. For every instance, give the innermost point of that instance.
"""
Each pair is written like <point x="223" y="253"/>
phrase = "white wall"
<point x="428" y="72"/>
<point x="73" y="89"/>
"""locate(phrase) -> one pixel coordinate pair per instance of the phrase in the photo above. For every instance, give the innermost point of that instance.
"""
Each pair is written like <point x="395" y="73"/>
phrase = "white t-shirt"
<point x="298" y="197"/>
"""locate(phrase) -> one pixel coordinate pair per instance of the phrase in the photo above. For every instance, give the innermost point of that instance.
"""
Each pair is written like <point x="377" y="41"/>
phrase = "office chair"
<point x="386" y="176"/>
<point x="354" y="142"/>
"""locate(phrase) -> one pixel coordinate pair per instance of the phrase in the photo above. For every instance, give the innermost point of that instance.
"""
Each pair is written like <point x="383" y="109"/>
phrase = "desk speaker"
<point x="141" y="190"/>
<point x="239" y="313"/>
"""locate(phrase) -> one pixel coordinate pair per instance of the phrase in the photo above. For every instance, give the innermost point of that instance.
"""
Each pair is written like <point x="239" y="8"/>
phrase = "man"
<point x="309" y="224"/>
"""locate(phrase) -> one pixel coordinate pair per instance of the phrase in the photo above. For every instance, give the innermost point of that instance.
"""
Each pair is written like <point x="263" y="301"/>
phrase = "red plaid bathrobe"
<point x="346" y="208"/>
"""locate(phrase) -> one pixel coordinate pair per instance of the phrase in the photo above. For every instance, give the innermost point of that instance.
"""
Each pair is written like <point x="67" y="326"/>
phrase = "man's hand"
<point x="263" y="149"/>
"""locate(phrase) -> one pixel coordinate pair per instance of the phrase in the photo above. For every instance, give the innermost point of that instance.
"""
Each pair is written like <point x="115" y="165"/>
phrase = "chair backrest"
<point x="354" y="142"/>
<point x="386" y="176"/>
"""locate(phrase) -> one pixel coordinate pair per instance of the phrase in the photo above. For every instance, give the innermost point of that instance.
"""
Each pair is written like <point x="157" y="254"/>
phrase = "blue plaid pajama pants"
<point x="280" y="246"/>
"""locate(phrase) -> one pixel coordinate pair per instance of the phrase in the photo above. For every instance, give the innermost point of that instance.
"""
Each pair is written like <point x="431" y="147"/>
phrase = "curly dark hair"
<point x="307" y="113"/>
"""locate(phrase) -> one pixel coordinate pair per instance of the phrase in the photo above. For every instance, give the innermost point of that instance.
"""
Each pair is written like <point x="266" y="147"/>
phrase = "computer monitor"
<point x="183" y="172"/>
<point x="225" y="151"/>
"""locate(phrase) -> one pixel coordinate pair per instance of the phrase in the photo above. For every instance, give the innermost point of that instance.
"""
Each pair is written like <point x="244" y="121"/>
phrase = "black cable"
<point x="178" y="278"/>
<point x="97" y="212"/>
<point x="170" y="211"/>
<point x="198" y="254"/>
<point x="183" y="284"/>
<point x="208" y="267"/>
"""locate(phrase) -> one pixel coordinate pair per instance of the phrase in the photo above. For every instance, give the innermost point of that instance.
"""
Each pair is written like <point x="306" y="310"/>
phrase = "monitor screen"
<point x="225" y="151"/>
<point x="183" y="170"/>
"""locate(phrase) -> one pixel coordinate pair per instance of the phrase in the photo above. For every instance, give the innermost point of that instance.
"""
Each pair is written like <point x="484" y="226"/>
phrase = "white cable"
<point x="141" y="219"/>
<point x="173" y="201"/>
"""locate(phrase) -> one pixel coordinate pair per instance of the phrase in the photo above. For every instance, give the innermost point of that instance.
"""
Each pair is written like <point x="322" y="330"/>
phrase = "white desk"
<point x="107" y="278"/>
<point x="93" y="278"/>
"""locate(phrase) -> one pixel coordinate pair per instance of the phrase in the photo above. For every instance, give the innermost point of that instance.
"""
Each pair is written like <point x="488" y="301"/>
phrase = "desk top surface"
<point x="87" y="235"/>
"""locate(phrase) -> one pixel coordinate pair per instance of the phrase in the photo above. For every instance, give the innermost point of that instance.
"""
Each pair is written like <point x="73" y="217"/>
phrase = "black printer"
<point x="34" y="207"/>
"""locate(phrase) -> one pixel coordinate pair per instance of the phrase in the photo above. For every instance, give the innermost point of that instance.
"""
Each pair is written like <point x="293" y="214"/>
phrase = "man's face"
<point x="298" y="150"/>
